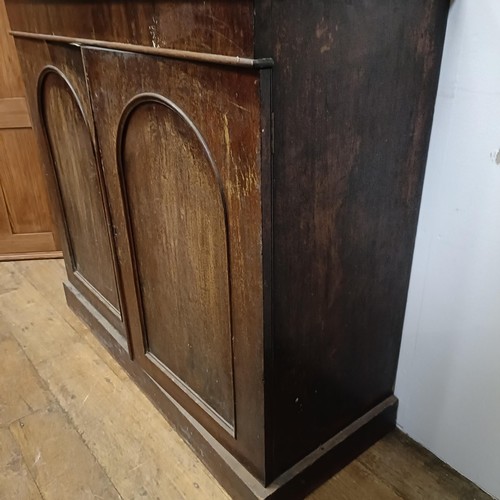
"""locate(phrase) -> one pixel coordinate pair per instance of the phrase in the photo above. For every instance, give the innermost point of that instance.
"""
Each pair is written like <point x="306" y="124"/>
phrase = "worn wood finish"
<point x="76" y="170"/>
<point x="263" y="219"/>
<point x="398" y="457"/>
<point x="21" y="396"/>
<point x="360" y="78"/>
<point x="187" y="322"/>
<point x="219" y="27"/>
<point x="48" y="461"/>
<point x="188" y="55"/>
<point x="15" y="479"/>
<point x="101" y="404"/>
<point x="65" y="130"/>
<point x="219" y="166"/>
<point x="25" y="221"/>
<point x="108" y="412"/>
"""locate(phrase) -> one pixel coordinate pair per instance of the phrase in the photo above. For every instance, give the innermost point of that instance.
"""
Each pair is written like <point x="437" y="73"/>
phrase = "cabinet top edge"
<point x="225" y="28"/>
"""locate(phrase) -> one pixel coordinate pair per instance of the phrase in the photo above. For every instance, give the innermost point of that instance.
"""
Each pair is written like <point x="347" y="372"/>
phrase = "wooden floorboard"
<point x="74" y="426"/>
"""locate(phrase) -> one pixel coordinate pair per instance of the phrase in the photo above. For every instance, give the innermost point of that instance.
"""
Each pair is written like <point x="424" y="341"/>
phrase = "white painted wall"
<point x="449" y="373"/>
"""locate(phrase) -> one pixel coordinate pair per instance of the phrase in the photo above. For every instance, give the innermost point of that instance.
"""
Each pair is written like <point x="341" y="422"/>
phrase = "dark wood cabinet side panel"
<point x="223" y="103"/>
<point x="354" y="85"/>
<point x="220" y="27"/>
<point x="62" y="120"/>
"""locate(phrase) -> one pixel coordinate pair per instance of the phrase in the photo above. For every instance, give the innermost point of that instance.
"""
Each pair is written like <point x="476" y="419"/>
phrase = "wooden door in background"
<point x="26" y="229"/>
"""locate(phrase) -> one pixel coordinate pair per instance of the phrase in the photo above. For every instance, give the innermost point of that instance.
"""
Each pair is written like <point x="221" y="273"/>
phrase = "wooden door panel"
<point x="58" y="97"/>
<point x="23" y="185"/>
<point x="183" y="174"/>
<point x="26" y="229"/>
<point x="14" y="113"/>
<point x="178" y="226"/>
<point x="76" y="171"/>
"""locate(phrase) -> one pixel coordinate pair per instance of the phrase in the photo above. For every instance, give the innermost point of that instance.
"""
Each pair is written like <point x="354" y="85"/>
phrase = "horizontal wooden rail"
<point x="157" y="51"/>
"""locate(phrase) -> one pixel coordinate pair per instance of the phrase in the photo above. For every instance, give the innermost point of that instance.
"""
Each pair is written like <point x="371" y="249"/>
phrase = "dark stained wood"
<point x="110" y="421"/>
<point x="231" y="98"/>
<point x="232" y="475"/>
<point x="263" y="219"/>
<point x="179" y="230"/>
<point x="75" y="166"/>
<point x="188" y="55"/>
<point x="57" y="91"/>
<point x="218" y="27"/>
<point x="353" y="96"/>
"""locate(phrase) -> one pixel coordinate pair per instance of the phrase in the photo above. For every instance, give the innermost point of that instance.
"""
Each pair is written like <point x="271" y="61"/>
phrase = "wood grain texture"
<point x="217" y="27"/>
<point x="18" y="396"/>
<point x="360" y="78"/>
<point x="77" y="175"/>
<point x="47" y="278"/>
<point x="107" y="412"/>
<point x="6" y="257"/>
<point x="151" y="460"/>
<point x="15" y="479"/>
<point x="35" y="245"/>
<point x="14" y="113"/>
<point x="23" y="184"/>
<point x="79" y="194"/>
<point x="230" y="96"/>
<point x="187" y="55"/>
<point x="355" y="482"/>
<point x="25" y="218"/>
<point x="398" y="457"/>
<point x="321" y="166"/>
<point x="50" y="463"/>
<point x="178" y="224"/>
<point x="11" y="81"/>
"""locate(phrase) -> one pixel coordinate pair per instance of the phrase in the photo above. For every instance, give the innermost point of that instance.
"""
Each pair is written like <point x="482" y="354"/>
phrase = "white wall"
<point x="449" y="373"/>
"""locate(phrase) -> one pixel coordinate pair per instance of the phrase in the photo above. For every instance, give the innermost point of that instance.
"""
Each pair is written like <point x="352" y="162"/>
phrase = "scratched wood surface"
<point x="214" y="27"/>
<point x="196" y="305"/>
<point x="71" y="421"/>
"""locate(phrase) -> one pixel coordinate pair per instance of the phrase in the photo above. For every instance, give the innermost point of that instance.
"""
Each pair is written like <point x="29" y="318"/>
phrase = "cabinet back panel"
<point x="178" y="222"/>
<point x="76" y="171"/>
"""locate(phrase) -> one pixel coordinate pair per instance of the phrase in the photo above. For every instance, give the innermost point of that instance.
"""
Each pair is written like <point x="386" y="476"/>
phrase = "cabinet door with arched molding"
<point x="181" y="147"/>
<point x="62" y="116"/>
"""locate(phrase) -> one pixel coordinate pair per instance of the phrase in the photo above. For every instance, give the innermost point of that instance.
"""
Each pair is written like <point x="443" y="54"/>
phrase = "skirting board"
<point x="296" y="482"/>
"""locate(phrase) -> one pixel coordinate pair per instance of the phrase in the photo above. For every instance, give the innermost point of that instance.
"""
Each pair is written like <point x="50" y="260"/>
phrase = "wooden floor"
<point x="74" y="426"/>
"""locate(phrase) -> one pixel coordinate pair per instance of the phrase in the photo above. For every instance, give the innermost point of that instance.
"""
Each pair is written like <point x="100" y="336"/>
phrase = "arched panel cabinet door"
<point x="181" y="152"/>
<point x="176" y="209"/>
<point x="89" y="254"/>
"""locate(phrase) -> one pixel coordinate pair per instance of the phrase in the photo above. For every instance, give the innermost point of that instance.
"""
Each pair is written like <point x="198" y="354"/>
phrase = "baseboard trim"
<point x="297" y="481"/>
<point x="56" y="254"/>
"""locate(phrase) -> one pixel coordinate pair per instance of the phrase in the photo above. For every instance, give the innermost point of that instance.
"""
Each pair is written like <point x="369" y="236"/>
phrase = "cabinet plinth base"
<point x="233" y="476"/>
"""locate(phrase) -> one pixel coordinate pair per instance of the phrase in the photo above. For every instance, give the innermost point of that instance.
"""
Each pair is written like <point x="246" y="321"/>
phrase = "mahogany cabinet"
<point x="239" y="184"/>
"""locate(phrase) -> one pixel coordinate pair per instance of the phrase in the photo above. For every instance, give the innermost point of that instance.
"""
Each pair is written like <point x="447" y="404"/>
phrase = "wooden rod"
<point x="157" y="51"/>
